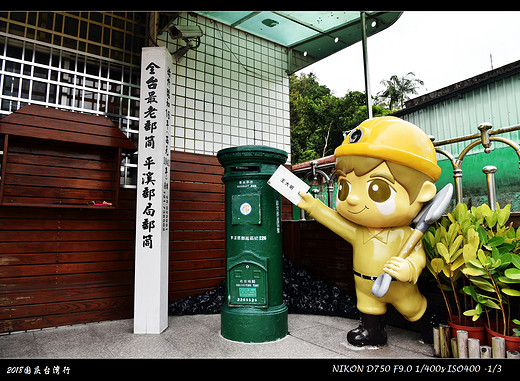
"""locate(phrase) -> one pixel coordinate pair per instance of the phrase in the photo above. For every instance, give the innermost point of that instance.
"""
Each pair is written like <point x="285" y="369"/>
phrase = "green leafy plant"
<point x="448" y="244"/>
<point x="473" y="252"/>
<point x="494" y="272"/>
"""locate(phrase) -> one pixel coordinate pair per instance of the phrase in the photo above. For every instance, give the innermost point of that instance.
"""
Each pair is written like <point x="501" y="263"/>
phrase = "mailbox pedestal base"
<point x="254" y="325"/>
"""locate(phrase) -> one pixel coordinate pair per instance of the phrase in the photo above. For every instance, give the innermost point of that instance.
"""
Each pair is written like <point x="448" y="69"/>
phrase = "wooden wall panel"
<point x="58" y="158"/>
<point x="66" y="266"/>
<point x="40" y="173"/>
<point x="62" y="266"/>
<point x="197" y="246"/>
<point x="324" y="254"/>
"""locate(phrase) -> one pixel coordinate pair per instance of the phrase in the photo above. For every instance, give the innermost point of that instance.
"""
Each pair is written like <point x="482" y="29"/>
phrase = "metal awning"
<point x="309" y="35"/>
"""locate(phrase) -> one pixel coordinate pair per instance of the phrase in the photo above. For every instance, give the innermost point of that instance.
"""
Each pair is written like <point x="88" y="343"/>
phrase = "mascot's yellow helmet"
<point x="393" y="139"/>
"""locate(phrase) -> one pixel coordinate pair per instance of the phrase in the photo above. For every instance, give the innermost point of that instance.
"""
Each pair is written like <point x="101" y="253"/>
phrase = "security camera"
<point x="185" y="31"/>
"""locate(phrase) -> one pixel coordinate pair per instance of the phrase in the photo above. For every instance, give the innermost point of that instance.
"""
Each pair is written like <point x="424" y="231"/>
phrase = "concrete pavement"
<point x="198" y="337"/>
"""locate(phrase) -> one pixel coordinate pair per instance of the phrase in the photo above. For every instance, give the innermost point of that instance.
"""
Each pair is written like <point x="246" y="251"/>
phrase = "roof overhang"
<point x="309" y="36"/>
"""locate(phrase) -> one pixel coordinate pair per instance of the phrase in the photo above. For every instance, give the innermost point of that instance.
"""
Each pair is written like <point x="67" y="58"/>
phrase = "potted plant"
<point x="449" y="245"/>
<point x="494" y="272"/>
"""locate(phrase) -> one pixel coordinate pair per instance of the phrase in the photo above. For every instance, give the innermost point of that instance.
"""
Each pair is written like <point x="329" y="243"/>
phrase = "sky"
<point x="441" y="48"/>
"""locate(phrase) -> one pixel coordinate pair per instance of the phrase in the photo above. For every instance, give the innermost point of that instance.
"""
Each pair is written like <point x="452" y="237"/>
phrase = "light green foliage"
<point x="480" y="246"/>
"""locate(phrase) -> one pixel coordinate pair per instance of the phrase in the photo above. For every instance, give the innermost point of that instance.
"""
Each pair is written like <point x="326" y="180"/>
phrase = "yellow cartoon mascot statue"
<point x="386" y="170"/>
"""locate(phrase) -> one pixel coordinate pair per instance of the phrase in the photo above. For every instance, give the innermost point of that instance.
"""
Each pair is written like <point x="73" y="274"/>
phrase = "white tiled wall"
<point x="233" y="90"/>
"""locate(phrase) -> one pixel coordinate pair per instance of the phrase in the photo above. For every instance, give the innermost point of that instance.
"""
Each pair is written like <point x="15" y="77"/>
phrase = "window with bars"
<point x="83" y="61"/>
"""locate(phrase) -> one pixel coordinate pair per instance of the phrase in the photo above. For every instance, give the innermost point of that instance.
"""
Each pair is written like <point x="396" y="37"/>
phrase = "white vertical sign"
<point x="153" y="192"/>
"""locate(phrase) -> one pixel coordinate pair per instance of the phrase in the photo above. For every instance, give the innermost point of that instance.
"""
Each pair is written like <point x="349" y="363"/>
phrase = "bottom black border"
<point x="165" y="369"/>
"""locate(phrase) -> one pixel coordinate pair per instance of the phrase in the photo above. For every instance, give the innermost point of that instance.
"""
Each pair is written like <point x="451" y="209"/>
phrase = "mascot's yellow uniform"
<point x="386" y="169"/>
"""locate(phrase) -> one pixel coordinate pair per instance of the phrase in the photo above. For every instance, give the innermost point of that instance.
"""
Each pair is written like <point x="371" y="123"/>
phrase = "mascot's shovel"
<point x="430" y="213"/>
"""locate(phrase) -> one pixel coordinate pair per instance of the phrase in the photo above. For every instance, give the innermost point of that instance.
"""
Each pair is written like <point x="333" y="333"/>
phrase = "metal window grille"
<point x="83" y="61"/>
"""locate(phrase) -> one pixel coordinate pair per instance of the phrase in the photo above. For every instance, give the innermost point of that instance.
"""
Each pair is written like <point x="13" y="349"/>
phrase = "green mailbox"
<point x="254" y="310"/>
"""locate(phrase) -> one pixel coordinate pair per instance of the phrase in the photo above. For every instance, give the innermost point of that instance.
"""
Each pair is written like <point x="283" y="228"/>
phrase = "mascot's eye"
<point x="355" y="135"/>
<point x="379" y="190"/>
<point x="343" y="189"/>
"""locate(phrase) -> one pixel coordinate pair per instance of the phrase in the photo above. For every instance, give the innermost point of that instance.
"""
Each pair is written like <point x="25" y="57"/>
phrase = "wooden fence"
<point x="197" y="248"/>
<point x="316" y="249"/>
<point x="65" y="266"/>
<point x="62" y="266"/>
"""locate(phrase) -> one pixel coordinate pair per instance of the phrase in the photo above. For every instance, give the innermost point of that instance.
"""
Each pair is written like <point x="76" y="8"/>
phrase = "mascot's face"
<point x="375" y="199"/>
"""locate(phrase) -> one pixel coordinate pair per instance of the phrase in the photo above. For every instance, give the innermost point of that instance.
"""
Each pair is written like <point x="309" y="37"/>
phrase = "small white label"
<point x="245" y="208"/>
<point x="288" y="184"/>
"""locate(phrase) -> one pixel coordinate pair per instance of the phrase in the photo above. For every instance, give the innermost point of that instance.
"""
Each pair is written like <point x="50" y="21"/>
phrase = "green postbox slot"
<point x="245" y="209"/>
<point x="248" y="286"/>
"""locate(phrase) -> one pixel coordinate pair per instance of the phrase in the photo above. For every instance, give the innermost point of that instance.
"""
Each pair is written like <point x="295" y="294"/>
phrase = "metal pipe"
<point x="314" y="172"/>
<point x="365" y="63"/>
<point x="490" y="170"/>
<point x="465" y="151"/>
<point x="457" y="172"/>
<point x="502" y="130"/>
<point x="485" y="139"/>
<point x="330" y="189"/>
<point x="484" y="134"/>
<point x="457" y="176"/>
